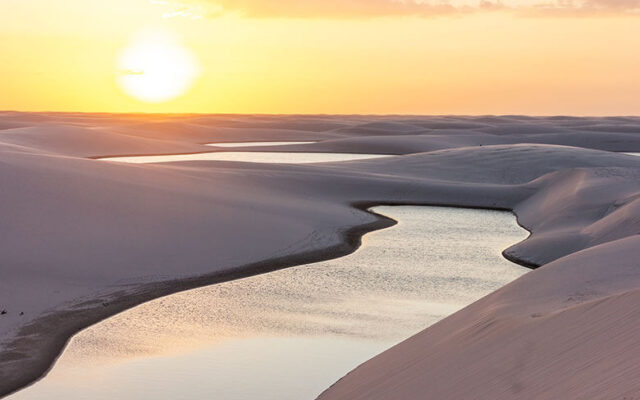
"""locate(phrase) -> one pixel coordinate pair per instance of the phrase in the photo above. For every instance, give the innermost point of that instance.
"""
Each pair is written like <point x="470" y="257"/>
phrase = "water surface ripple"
<point x="292" y="333"/>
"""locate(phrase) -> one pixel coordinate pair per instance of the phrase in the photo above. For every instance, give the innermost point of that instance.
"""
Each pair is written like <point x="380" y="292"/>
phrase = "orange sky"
<point x="328" y="56"/>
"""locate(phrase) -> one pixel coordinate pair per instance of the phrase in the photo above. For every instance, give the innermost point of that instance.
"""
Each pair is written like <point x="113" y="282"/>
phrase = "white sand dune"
<point x="83" y="239"/>
<point x="566" y="331"/>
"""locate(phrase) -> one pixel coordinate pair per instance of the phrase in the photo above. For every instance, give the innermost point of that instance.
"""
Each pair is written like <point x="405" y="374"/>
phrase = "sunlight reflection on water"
<point x="252" y="144"/>
<point x="292" y="333"/>
<point x="248" y="156"/>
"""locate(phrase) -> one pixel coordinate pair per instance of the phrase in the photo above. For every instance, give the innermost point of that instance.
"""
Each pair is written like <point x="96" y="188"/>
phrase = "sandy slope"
<point x="566" y="331"/>
<point x="83" y="239"/>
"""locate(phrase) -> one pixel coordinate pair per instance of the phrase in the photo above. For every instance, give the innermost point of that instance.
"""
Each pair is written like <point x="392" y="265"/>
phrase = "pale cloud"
<point x="586" y="7"/>
<point x="195" y="9"/>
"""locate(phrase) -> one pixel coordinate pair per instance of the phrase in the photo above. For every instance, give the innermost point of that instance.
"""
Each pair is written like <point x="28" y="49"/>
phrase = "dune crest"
<point x="84" y="239"/>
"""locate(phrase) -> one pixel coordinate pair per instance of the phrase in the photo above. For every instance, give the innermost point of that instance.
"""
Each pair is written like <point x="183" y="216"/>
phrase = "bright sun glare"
<point x="155" y="67"/>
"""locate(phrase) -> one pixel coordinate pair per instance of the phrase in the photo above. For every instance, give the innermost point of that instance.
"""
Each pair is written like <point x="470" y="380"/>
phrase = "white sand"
<point x="84" y="239"/>
<point x="289" y="334"/>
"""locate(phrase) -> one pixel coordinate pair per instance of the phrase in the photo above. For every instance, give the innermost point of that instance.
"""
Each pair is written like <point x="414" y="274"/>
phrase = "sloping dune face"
<point x="565" y="331"/>
<point x="83" y="239"/>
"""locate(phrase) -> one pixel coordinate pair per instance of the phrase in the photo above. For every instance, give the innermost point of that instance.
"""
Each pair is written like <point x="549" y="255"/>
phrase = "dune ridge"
<point x="84" y="239"/>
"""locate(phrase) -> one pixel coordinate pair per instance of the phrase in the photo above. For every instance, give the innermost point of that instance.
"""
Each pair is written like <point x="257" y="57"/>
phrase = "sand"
<point x="83" y="239"/>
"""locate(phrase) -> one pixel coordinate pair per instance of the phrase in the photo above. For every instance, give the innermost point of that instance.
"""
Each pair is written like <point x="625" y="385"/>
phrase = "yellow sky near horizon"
<point x="63" y="56"/>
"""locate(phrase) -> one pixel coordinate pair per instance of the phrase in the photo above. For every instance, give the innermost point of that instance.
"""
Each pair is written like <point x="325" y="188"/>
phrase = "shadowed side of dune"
<point x="565" y="331"/>
<point x="85" y="239"/>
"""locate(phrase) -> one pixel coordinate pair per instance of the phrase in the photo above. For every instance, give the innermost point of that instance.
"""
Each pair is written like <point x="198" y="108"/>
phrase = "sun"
<point x="155" y="68"/>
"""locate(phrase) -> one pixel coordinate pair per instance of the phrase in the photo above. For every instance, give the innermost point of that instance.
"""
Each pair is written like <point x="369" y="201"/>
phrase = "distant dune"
<point x="83" y="239"/>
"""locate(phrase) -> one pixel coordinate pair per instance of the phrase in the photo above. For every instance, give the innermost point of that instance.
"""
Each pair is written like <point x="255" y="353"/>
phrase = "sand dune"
<point x="565" y="331"/>
<point x="84" y="239"/>
<point x="86" y="142"/>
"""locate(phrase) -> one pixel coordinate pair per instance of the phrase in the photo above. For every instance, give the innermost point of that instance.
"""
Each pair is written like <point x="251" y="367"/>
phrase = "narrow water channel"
<point x="292" y="333"/>
<point x="248" y="156"/>
<point x="254" y="144"/>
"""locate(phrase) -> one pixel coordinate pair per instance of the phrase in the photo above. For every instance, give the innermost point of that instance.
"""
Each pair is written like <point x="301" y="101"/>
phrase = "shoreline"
<point x="568" y="198"/>
<point x="352" y="241"/>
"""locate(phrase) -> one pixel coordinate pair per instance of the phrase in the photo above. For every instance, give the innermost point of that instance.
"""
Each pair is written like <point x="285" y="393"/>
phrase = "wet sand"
<point x="84" y="239"/>
<point x="298" y="329"/>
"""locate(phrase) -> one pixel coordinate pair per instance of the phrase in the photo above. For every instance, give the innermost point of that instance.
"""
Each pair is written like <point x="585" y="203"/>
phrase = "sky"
<point x="536" y="57"/>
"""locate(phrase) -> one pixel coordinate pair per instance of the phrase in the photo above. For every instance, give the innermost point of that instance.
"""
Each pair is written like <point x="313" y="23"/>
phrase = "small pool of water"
<point x="253" y="144"/>
<point x="249" y="156"/>
<point x="290" y="334"/>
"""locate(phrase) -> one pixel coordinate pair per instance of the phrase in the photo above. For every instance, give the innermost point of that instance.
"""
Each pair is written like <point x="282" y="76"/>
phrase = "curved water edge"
<point x="355" y="306"/>
<point x="53" y="331"/>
